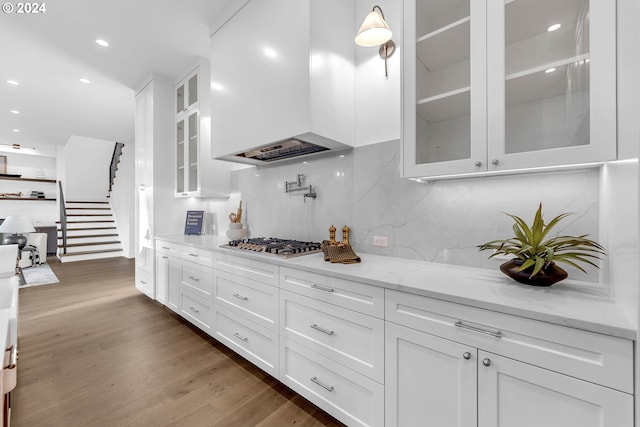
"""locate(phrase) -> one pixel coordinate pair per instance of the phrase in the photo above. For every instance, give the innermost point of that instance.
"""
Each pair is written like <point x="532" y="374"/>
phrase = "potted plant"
<point x="536" y="254"/>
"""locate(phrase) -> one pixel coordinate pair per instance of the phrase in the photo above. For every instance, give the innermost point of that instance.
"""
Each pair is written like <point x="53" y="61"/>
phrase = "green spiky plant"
<point x="532" y="246"/>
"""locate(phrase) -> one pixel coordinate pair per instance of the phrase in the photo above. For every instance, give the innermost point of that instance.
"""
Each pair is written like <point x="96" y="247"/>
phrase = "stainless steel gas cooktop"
<point x="273" y="246"/>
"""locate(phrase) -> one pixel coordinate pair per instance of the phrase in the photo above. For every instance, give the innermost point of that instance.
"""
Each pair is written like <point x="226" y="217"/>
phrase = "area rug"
<point x="38" y="275"/>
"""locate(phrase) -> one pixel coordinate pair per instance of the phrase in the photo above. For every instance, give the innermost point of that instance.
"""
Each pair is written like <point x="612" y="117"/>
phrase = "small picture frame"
<point x="194" y="223"/>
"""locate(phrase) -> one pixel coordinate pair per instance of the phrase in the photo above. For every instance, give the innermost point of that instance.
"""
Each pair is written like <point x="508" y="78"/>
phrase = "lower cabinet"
<point x="434" y="380"/>
<point x="354" y="399"/>
<point x="145" y="272"/>
<point x="196" y="309"/>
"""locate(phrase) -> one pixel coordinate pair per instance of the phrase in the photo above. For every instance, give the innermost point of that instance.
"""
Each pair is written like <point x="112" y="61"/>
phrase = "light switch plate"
<point x="381" y="241"/>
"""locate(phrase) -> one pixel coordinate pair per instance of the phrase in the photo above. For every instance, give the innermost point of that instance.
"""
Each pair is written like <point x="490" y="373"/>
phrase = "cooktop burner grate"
<point x="274" y="246"/>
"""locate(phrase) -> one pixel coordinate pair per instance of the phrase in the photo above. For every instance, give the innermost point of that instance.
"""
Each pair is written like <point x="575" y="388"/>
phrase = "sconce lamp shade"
<point x="374" y="30"/>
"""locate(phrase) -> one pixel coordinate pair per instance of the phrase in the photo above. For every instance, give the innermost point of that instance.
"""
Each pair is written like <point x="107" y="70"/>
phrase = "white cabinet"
<point x="152" y="137"/>
<point x="279" y="73"/>
<point x="487" y="86"/>
<point x="528" y="373"/>
<point x="167" y="274"/>
<point x="196" y="173"/>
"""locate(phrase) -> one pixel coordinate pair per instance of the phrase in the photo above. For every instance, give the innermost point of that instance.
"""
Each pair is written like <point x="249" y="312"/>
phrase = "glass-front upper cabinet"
<point x="444" y="129"/>
<point x="551" y="82"/>
<point x="187" y="93"/>
<point x="494" y="85"/>
<point x="187" y="139"/>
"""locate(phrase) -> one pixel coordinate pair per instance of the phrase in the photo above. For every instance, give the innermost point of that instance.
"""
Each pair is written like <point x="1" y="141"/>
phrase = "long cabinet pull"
<point x="164" y="247"/>
<point x="165" y="257"/>
<point x="195" y="279"/>
<point x="194" y="255"/>
<point x="240" y="337"/>
<point x="323" y="330"/>
<point x="194" y="310"/>
<point x="322" y="288"/>
<point x="240" y="297"/>
<point x="496" y="334"/>
<point x="321" y="384"/>
<point x="13" y="358"/>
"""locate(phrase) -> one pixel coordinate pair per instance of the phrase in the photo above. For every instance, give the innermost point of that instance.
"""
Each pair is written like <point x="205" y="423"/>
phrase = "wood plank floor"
<point x="96" y="352"/>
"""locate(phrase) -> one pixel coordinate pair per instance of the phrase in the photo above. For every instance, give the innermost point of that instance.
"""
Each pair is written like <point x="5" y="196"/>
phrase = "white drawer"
<point x="199" y="256"/>
<point x="343" y="393"/>
<point x="197" y="277"/>
<point x="196" y="310"/>
<point x="353" y="339"/>
<point x="594" y="357"/>
<point x="171" y="249"/>
<point x="254" y="300"/>
<point x="248" y="268"/>
<point x="356" y="296"/>
<point x="144" y="282"/>
<point x="253" y="342"/>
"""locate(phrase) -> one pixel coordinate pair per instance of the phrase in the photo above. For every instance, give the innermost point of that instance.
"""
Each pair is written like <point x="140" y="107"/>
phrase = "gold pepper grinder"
<point x="332" y="235"/>
<point x="345" y="235"/>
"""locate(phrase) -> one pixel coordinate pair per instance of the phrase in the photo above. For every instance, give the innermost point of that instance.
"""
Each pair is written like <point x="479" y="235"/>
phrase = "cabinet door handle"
<point x="322" y="288"/>
<point x="240" y="337"/>
<point x="195" y="255"/>
<point x="496" y="334"/>
<point x="477" y="164"/>
<point x="165" y="257"/>
<point x="486" y="362"/>
<point x="495" y="162"/>
<point x="323" y="330"/>
<point x="240" y="297"/>
<point x="195" y="279"/>
<point x="321" y="384"/>
<point x="466" y="355"/>
<point x="164" y="247"/>
<point x="142" y="282"/>
<point x="194" y="310"/>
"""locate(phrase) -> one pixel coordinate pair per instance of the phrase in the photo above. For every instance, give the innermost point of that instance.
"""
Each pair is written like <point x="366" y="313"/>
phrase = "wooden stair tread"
<point x="87" y="222"/>
<point x="89" y="252"/>
<point x="91" y="214"/>
<point x="91" y="236"/>
<point x="73" y="245"/>
<point x="88" y="228"/>
<point x="102" y="203"/>
<point x="89" y="209"/>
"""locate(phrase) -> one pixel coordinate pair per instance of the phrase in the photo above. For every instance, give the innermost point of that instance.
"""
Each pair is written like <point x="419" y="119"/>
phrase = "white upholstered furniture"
<point x="39" y="256"/>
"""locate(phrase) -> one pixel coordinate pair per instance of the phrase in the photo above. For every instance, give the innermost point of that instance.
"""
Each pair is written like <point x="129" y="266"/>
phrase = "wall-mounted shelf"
<point x="7" y="178"/>
<point x="27" y="198"/>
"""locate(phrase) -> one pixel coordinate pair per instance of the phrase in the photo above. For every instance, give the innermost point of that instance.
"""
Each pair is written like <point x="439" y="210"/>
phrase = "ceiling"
<point x="48" y="52"/>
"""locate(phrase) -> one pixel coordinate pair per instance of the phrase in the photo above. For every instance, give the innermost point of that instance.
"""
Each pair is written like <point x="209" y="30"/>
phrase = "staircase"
<point x="91" y="232"/>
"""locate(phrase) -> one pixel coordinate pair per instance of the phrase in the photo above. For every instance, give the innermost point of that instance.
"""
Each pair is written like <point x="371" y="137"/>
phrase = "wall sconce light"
<point x="375" y="32"/>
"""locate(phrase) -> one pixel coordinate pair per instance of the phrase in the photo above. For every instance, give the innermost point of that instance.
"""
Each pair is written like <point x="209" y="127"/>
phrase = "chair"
<point x="35" y="252"/>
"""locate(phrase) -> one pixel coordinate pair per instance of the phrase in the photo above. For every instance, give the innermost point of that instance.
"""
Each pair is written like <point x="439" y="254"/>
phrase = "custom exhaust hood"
<point x="300" y="146"/>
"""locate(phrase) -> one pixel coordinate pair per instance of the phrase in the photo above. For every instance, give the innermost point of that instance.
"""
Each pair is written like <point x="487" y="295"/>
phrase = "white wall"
<point x="123" y="200"/>
<point x="86" y="173"/>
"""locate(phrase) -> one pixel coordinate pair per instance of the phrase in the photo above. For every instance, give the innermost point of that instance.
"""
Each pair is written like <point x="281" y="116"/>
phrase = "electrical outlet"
<point x="381" y="241"/>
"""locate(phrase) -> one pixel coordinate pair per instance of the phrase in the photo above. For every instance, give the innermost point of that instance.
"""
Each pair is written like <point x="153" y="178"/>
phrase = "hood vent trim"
<point x="283" y="150"/>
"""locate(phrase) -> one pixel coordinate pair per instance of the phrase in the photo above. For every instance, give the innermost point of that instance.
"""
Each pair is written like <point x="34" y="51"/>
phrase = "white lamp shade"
<point x="17" y="225"/>
<point x="374" y="31"/>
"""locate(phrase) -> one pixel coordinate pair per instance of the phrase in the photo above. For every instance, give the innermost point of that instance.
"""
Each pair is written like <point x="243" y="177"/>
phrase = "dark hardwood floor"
<point x="95" y="352"/>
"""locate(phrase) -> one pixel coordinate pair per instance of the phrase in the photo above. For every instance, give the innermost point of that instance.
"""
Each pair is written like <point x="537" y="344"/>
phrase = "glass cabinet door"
<point x="193" y="152"/>
<point x="180" y="156"/>
<point x="444" y="91"/>
<point x="549" y="74"/>
<point x="193" y="90"/>
<point x="180" y="99"/>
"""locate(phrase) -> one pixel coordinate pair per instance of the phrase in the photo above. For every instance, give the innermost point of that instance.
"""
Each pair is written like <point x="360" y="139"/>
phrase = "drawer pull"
<point x="323" y="330"/>
<point x="194" y="255"/>
<point x="194" y="310"/>
<point x="486" y="362"/>
<point x="195" y="279"/>
<point x="466" y="355"/>
<point x="496" y="334"/>
<point x="322" y="288"/>
<point x="240" y="297"/>
<point x="165" y="257"/>
<point x="324" y="386"/>
<point x="164" y="247"/>
<point x="13" y="358"/>
<point x="240" y="337"/>
<point x="142" y="282"/>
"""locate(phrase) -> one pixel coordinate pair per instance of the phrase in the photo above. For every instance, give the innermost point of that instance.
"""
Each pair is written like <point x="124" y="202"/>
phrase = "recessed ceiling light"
<point x="13" y="82"/>
<point x="84" y="80"/>
<point x="554" y="27"/>
<point x="102" y="43"/>
<point x="15" y="111"/>
<point x="16" y="130"/>
<point x="549" y="70"/>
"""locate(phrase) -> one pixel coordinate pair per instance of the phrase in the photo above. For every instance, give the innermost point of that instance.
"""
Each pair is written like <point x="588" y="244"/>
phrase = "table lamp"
<point x="14" y="226"/>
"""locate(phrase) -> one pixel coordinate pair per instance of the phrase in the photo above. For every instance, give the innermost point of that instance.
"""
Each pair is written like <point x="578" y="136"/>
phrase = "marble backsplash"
<point x="441" y="221"/>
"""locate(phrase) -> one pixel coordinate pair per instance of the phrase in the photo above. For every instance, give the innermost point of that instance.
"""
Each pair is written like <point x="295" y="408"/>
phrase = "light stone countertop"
<point x="560" y="304"/>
